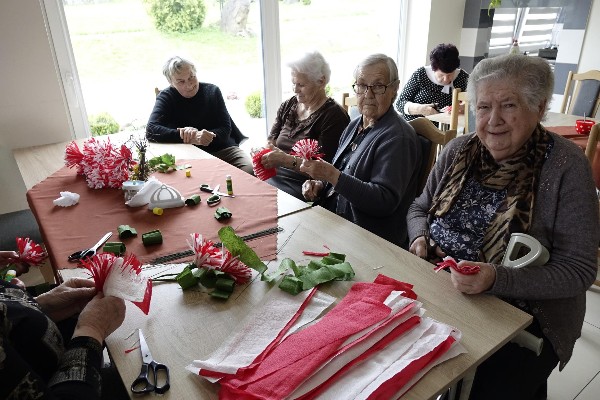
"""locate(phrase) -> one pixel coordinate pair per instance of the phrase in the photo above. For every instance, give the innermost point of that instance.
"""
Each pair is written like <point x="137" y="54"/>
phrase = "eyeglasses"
<point x="375" y="89"/>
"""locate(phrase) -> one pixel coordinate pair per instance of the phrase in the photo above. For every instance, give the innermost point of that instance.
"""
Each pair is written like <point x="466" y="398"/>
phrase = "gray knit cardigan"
<point x="565" y="220"/>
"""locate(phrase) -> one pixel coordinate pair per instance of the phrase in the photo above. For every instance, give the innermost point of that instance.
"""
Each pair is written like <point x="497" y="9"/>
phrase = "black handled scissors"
<point x="160" y="373"/>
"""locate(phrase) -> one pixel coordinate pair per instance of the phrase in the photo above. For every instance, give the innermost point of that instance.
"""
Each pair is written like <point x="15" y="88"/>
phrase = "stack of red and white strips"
<point x="374" y="344"/>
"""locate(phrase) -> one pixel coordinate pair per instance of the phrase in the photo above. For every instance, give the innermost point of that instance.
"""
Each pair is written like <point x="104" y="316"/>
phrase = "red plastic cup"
<point x="584" y="126"/>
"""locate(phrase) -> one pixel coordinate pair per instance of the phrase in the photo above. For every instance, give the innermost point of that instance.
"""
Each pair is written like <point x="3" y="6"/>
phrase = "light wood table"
<point x="560" y="119"/>
<point x="443" y="119"/>
<point x="187" y="325"/>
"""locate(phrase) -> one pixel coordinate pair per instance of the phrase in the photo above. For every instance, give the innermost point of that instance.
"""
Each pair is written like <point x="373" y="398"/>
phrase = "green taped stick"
<point x="152" y="238"/>
<point x="126" y="231"/>
<point x="193" y="200"/>
<point x="116" y="248"/>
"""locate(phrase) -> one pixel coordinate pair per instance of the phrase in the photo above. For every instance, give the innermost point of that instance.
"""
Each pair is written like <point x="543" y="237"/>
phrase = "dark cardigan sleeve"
<point x="33" y="363"/>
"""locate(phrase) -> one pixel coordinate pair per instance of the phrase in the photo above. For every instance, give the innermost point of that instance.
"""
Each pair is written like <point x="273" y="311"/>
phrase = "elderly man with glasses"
<point x="373" y="177"/>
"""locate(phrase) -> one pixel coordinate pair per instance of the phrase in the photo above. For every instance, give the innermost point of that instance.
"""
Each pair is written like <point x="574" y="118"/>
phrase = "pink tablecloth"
<point x="581" y="140"/>
<point x="66" y="230"/>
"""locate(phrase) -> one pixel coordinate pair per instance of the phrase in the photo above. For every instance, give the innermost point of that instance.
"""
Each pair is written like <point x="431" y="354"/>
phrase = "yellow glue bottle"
<point x="229" y="185"/>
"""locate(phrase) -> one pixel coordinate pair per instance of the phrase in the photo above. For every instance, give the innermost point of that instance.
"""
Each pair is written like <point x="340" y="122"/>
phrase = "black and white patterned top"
<point x="38" y="358"/>
<point x="460" y="232"/>
<point x="422" y="90"/>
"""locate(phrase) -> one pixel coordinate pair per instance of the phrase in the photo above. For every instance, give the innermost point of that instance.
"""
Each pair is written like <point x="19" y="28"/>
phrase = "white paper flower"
<point x="67" y="199"/>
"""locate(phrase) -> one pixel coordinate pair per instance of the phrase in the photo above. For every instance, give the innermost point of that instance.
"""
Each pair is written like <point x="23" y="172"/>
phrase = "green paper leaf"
<point x="286" y="264"/>
<point x="238" y="248"/>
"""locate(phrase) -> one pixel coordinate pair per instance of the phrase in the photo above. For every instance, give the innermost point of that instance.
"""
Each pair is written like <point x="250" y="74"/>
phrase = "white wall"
<point x="590" y="51"/>
<point x="430" y="22"/>
<point x="32" y="109"/>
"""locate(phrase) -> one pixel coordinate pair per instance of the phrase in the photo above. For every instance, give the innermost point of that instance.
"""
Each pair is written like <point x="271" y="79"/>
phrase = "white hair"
<point x="313" y="65"/>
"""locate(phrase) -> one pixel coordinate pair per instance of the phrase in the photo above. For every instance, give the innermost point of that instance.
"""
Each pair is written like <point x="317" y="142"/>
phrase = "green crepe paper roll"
<point x="193" y="200"/>
<point x="207" y="277"/>
<point x="186" y="278"/>
<point x="291" y="284"/>
<point x="220" y="294"/>
<point x="125" y="231"/>
<point x="152" y="237"/>
<point x="117" y="248"/>
<point x="222" y="213"/>
<point x="225" y="284"/>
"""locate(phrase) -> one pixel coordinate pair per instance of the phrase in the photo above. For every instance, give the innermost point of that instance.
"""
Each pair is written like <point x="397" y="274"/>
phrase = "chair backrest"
<point x="458" y="96"/>
<point x="348" y="101"/>
<point x="592" y="144"/>
<point x="583" y="97"/>
<point x="435" y="139"/>
<point x="156" y="91"/>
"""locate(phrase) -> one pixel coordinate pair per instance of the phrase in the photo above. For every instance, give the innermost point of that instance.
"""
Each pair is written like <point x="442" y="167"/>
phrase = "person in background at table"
<point x="309" y="114"/>
<point x="194" y="112"/>
<point x="373" y="177"/>
<point x="429" y="89"/>
<point x="513" y="176"/>
<point x="51" y="345"/>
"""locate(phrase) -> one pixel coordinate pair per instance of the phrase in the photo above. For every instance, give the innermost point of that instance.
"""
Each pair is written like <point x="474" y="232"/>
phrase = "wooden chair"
<point x="348" y="102"/>
<point x="579" y="81"/>
<point x="433" y="139"/>
<point x="590" y="152"/>
<point x="458" y="96"/>
<point x="156" y="91"/>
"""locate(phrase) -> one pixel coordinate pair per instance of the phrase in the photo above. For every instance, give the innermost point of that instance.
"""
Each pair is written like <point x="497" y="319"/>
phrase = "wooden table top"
<point x="443" y="118"/>
<point x="186" y="325"/>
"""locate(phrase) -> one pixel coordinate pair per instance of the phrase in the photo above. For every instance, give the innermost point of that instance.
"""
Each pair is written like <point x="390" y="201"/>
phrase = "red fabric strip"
<point x="389" y="388"/>
<point x="300" y="354"/>
<point x="382" y="344"/>
<point x="270" y="346"/>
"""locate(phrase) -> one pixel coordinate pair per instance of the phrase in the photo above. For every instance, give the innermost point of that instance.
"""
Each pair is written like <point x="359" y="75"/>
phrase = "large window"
<point x="534" y="28"/>
<point x="118" y="52"/>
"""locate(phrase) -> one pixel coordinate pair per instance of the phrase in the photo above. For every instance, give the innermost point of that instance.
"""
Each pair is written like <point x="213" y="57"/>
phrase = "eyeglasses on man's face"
<point x="375" y="89"/>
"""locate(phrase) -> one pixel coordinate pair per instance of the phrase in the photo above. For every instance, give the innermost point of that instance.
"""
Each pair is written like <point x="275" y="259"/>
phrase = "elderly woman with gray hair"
<point x="514" y="176"/>
<point x="309" y="114"/>
<point x="194" y="112"/>
<point x="373" y="177"/>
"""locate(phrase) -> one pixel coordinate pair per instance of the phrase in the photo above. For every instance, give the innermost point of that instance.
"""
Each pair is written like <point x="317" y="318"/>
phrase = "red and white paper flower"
<point x="30" y="252"/>
<point x="206" y="254"/>
<point x="120" y="277"/>
<point x="260" y="171"/>
<point x="308" y="149"/>
<point x="234" y="267"/>
<point x="102" y="163"/>
<point x="449" y="262"/>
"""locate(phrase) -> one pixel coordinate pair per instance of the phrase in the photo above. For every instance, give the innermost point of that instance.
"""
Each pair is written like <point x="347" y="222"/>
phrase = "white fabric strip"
<point x="261" y="328"/>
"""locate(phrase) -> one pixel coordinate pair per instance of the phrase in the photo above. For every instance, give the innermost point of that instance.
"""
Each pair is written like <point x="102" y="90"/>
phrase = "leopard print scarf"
<point x="519" y="176"/>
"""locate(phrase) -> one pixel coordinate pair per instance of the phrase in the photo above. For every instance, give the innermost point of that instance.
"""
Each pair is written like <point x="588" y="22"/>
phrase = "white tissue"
<point x="66" y="199"/>
<point x="142" y="197"/>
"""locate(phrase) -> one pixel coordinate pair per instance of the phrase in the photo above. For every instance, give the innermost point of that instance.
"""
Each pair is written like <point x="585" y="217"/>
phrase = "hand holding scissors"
<point x="143" y="383"/>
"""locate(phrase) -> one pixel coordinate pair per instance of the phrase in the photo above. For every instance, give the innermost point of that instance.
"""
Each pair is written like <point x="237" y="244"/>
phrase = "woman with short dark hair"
<point x="429" y="89"/>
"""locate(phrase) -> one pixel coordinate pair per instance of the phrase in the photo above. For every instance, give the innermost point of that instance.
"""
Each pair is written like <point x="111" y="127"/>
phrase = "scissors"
<point x="206" y="188"/>
<point x="143" y="383"/>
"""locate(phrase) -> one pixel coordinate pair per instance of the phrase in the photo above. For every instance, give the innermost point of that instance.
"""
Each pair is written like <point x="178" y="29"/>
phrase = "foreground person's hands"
<point x="67" y="299"/>
<point x="428" y="251"/>
<point x="100" y="317"/>
<point x="474" y="283"/>
<point x="320" y="170"/>
<point x="311" y="189"/>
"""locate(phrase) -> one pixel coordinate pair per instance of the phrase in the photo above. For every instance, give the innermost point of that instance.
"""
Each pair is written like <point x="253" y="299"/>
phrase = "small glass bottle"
<point x="229" y="185"/>
<point x="10" y="275"/>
